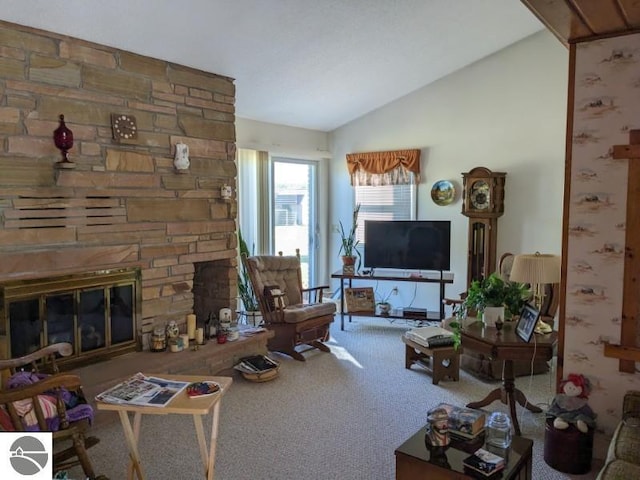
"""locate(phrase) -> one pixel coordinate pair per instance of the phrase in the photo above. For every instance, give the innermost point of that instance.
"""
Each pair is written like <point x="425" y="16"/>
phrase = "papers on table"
<point x="143" y="390"/>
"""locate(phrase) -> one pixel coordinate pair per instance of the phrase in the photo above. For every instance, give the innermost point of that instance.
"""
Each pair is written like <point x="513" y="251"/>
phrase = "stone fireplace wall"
<point x="123" y="204"/>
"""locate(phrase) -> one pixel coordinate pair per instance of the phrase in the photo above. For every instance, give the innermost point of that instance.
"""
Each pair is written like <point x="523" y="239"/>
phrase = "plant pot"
<point x="348" y="265"/>
<point x="253" y="318"/>
<point x="491" y="314"/>
<point x="384" y="308"/>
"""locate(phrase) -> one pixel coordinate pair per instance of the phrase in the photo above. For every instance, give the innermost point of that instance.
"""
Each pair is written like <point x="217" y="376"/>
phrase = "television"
<point x="407" y="245"/>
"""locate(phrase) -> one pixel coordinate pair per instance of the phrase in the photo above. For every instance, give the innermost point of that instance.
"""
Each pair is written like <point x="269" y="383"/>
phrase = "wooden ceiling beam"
<point x="559" y="18"/>
<point x="602" y="17"/>
<point x="630" y="9"/>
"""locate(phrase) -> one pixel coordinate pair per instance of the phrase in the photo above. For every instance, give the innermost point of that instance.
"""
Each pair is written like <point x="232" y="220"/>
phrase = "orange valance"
<point x="384" y="162"/>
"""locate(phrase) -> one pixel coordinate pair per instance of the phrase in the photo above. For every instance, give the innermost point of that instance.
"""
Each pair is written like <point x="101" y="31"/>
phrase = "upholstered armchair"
<point x="296" y="315"/>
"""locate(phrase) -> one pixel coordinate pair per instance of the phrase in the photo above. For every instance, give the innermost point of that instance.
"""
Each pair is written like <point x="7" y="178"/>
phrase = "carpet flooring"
<point x="339" y="415"/>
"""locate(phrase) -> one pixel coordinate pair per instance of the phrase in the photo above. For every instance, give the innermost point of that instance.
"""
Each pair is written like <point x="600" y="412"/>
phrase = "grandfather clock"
<point x="483" y="203"/>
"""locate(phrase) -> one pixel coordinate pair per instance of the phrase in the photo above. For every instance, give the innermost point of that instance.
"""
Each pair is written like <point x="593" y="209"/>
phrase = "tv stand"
<point x="439" y="278"/>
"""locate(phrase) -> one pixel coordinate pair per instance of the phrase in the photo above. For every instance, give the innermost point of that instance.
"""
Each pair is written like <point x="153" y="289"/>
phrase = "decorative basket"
<point x="265" y="376"/>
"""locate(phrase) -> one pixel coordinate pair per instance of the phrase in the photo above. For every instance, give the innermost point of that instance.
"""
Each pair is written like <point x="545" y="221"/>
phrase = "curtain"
<point x="384" y="168"/>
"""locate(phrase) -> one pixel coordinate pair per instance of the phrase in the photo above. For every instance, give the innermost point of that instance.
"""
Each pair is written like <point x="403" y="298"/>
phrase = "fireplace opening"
<point x="96" y="312"/>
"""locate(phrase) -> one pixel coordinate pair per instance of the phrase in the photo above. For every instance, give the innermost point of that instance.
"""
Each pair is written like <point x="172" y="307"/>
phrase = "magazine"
<point x="143" y="390"/>
<point x="256" y="364"/>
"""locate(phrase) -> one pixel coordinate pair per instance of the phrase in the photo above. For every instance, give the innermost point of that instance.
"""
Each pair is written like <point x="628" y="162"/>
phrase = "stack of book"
<point x="484" y="462"/>
<point x="464" y="423"/>
<point x="256" y="364"/>
<point x="431" y="337"/>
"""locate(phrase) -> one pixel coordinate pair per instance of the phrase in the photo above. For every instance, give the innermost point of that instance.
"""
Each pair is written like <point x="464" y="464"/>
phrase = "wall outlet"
<point x="394" y="290"/>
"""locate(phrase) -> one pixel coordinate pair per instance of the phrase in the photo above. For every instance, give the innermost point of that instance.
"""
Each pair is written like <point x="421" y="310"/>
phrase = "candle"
<point x="191" y="326"/>
<point x="185" y="340"/>
<point x="200" y="336"/>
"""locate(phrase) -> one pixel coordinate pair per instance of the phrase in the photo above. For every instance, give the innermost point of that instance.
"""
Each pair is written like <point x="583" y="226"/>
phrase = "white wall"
<point x="506" y="112"/>
<point x="281" y="140"/>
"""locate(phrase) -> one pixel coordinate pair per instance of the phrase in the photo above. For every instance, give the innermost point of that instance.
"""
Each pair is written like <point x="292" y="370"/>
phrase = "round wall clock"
<point x="124" y="126"/>
<point x="443" y="192"/>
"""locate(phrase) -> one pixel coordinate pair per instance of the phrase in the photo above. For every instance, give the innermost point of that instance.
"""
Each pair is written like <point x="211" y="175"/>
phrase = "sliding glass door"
<point x="294" y="221"/>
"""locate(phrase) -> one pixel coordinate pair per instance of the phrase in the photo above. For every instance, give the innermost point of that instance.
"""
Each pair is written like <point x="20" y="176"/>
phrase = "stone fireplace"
<point x="123" y="207"/>
<point x="96" y="312"/>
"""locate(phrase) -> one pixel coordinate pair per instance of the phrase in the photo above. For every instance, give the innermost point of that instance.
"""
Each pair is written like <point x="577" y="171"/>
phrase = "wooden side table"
<point x="440" y="362"/>
<point x="415" y="461"/>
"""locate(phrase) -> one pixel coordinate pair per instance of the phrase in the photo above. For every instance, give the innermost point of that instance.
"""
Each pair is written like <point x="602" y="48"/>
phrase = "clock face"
<point x="124" y="127"/>
<point x="480" y="195"/>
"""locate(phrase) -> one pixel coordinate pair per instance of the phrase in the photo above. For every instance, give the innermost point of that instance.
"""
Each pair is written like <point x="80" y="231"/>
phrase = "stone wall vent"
<point x="52" y="212"/>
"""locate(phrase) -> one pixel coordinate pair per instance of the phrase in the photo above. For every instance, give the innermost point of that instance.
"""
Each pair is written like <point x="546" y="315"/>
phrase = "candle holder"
<point x="63" y="139"/>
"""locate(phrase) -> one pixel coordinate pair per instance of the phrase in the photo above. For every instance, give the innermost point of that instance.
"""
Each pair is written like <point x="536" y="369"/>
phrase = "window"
<point x="385" y="202"/>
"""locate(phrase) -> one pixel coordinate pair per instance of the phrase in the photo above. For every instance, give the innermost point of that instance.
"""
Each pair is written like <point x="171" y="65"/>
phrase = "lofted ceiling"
<point x="579" y="20"/>
<point x="316" y="64"/>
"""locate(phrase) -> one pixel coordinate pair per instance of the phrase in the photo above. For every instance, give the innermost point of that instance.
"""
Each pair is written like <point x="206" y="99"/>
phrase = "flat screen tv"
<point x="407" y="245"/>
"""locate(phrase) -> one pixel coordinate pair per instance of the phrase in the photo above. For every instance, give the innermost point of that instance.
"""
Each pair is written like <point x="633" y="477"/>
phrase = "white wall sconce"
<point x="181" y="159"/>
<point x="226" y="192"/>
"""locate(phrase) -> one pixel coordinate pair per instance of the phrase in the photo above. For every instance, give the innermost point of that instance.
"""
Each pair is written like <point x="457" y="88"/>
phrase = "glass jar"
<point x="499" y="430"/>
<point x="158" y="340"/>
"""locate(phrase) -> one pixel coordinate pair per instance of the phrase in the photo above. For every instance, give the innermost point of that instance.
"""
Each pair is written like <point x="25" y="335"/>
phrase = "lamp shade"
<point x="535" y="268"/>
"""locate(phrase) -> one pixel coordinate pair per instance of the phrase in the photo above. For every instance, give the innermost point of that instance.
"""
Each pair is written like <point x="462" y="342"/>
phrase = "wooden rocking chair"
<point x="40" y="404"/>
<point x="277" y="283"/>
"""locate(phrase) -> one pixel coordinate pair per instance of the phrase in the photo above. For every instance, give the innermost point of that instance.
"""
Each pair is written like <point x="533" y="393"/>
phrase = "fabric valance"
<point x="381" y="163"/>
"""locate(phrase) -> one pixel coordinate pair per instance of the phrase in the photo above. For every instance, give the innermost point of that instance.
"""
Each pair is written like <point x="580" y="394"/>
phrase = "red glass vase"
<point x="63" y="138"/>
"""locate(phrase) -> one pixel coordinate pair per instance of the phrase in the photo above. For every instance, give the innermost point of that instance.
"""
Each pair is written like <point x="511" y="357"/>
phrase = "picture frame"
<point x="527" y="322"/>
<point x="360" y="299"/>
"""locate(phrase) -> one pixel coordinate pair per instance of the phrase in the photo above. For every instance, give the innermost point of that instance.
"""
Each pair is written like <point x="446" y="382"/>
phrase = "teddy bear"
<point x="571" y="407"/>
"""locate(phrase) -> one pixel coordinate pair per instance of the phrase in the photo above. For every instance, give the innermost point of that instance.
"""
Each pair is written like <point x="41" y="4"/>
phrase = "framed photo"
<point x="527" y="322"/>
<point x="360" y="299"/>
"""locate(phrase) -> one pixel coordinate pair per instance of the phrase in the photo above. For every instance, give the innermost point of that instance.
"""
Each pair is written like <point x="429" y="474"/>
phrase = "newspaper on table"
<point x="143" y="390"/>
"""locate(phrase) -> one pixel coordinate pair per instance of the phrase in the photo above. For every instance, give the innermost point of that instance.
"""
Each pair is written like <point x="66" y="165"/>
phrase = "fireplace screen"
<point x="97" y="313"/>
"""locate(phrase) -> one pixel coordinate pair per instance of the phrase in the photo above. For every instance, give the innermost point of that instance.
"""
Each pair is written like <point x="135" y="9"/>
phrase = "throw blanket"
<point x="75" y="406"/>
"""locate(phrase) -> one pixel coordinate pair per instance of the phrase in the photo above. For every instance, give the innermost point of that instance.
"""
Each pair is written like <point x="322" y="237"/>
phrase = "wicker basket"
<point x="265" y="376"/>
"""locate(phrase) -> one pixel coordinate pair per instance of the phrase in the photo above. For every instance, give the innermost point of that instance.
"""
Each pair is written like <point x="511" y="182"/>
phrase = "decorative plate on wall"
<point x="443" y="192"/>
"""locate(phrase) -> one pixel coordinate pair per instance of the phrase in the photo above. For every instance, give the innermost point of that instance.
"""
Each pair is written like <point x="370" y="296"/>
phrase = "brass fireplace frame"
<point x="74" y="284"/>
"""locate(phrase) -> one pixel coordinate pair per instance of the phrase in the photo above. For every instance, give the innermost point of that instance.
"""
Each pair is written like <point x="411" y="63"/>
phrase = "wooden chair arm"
<point x="315" y="293"/>
<point x="63" y="349"/>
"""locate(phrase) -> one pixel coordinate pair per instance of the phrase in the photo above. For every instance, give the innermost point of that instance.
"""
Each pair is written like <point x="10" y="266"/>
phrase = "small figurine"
<point x="181" y="159"/>
<point x="570" y="406"/>
<point x="172" y="330"/>
<point x="437" y="428"/>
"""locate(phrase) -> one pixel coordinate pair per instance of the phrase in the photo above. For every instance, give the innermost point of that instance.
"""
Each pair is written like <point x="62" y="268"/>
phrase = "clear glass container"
<point x="499" y="430"/>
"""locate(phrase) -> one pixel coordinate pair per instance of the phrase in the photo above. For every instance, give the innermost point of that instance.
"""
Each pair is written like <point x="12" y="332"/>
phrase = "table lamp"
<point x="536" y="269"/>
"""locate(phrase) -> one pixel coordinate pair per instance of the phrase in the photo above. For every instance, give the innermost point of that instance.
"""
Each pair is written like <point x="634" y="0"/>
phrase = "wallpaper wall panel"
<point x="606" y="107"/>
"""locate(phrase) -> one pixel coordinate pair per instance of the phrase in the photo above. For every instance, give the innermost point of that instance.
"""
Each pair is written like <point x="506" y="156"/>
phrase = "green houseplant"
<point x="494" y="291"/>
<point x="245" y="289"/>
<point x="349" y="242"/>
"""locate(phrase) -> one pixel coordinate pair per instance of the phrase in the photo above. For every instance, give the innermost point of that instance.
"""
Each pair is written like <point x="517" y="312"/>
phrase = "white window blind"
<point x="385" y="202"/>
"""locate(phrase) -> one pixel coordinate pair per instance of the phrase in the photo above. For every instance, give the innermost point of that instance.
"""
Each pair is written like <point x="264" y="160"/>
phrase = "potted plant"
<point x="348" y="247"/>
<point x="250" y="307"/>
<point x="384" y="307"/>
<point x="495" y="292"/>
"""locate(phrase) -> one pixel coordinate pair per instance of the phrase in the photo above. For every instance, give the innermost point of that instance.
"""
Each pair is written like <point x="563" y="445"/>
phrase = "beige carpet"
<point x="335" y="416"/>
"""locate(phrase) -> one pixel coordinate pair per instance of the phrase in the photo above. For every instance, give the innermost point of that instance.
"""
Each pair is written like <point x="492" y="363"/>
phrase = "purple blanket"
<point x="76" y="408"/>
